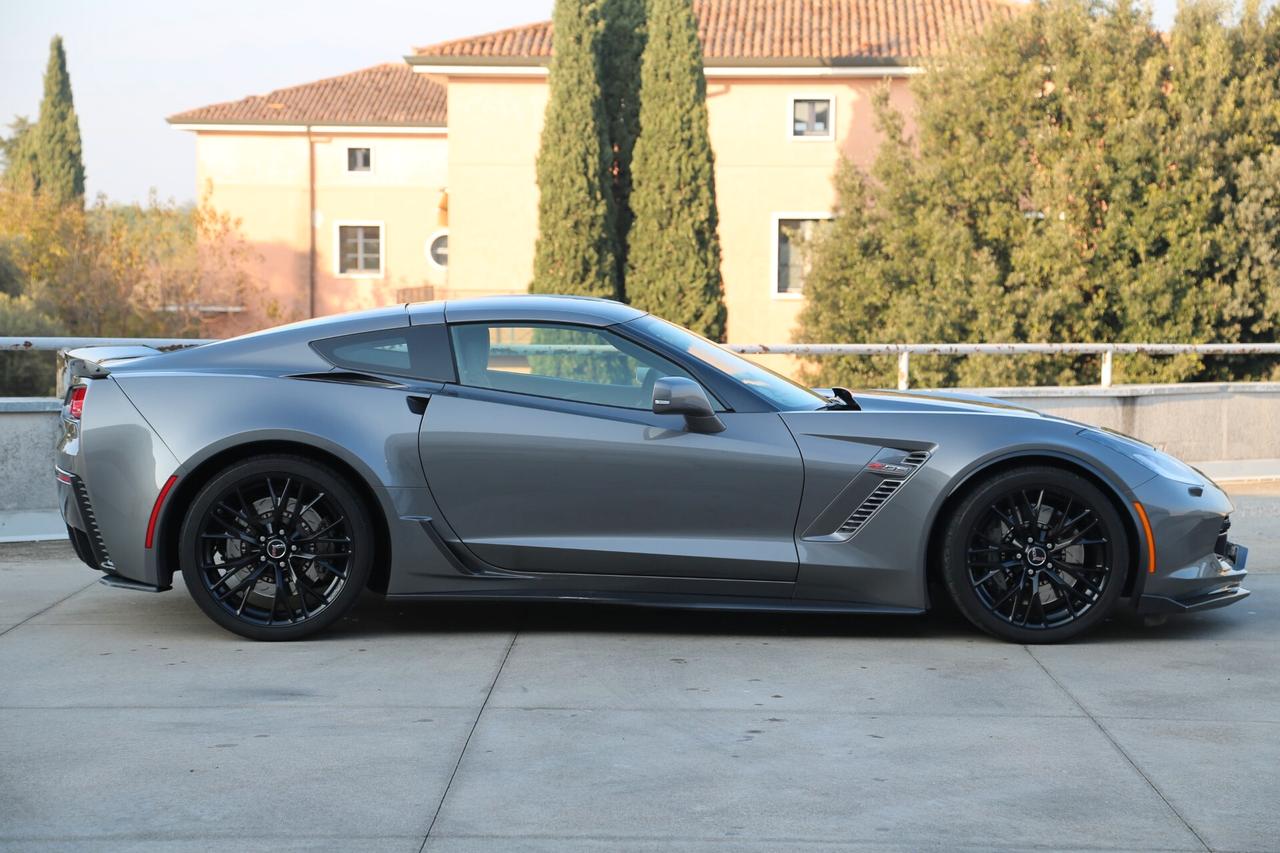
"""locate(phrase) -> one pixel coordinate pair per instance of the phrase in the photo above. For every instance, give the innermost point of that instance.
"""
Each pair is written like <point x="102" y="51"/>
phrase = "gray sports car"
<point x="563" y="448"/>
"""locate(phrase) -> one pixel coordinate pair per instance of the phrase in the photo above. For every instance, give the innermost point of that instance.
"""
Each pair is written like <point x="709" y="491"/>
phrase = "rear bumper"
<point x="82" y="525"/>
<point x="86" y="539"/>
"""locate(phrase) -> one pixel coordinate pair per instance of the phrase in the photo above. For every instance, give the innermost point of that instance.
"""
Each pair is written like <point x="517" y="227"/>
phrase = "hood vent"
<point x="881" y="495"/>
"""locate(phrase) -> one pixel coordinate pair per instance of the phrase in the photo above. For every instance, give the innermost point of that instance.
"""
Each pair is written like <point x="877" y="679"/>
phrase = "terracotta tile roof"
<point x="811" y="31"/>
<point x="389" y="94"/>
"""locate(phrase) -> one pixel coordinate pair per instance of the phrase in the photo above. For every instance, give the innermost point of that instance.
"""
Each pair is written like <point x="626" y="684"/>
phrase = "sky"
<point x="133" y="62"/>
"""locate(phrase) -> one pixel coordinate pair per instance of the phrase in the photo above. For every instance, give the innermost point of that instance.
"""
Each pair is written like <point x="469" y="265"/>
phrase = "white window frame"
<point x="346" y="160"/>
<point x="426" y="248"/>
<point x="811" y="96"/>
<point x="338" y="225"/>
<point x="775" y="228"/>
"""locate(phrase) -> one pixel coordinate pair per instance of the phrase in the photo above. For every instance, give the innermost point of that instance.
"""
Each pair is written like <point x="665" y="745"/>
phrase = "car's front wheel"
<point x="276" y="547"/>
<point x="1035" y="555"/>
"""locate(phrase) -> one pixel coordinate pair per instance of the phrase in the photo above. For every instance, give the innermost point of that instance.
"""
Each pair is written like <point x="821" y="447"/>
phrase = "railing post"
<point x="904" y="370"/>
<point x="60" y="380"/>
<point x="1106" y="368"/>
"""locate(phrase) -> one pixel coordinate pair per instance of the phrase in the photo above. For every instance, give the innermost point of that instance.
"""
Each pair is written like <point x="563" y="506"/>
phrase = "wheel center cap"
<point x="276" y="549"/>
<point x="1036" y="555"/>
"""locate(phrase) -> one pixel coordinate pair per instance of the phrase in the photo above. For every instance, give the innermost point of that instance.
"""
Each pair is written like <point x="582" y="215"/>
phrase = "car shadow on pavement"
<point x="375" y="616"/>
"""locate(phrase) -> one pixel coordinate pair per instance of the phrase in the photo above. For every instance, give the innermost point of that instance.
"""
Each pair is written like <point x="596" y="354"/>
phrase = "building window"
<point x="812" y="118"/>
<point x="438" y="249"/>
<point x="793" y="235"/>
<point x="360" y="250"/>
<point x="359" y="160"/>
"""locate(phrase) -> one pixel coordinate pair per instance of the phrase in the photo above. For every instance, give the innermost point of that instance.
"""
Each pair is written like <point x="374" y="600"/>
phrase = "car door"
<point x="546" y="457"/>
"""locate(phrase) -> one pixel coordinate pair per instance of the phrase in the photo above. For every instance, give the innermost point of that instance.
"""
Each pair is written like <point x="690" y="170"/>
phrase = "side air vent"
<point x="348" y="377"/>
<point x="97" y="547"/>
<point x="882" y="494"/>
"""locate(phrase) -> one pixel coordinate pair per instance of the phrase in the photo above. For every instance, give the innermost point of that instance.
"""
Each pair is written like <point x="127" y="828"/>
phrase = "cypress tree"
<point x="673" y="261"/>
<point x="576" y="249"/>
<point x="621" y="51"/>
<point x="59" y="166"/>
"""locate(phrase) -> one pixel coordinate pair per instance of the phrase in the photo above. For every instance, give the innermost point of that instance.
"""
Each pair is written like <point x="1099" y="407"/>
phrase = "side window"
<point x="418" y="352"/>
<point x="563" y="362"/>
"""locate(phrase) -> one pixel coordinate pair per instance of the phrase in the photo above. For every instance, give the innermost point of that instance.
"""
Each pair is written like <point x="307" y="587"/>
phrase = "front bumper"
<point x="1196" y="566"/>
<point x="1212" y="581"/>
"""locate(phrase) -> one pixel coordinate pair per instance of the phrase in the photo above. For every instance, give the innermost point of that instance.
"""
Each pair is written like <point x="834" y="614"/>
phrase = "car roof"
<point x="584" y="310"/>
<point x="288" y="346"/>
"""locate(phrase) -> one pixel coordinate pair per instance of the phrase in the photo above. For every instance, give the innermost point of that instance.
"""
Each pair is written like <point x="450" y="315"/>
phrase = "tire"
<point x="1035" y="554"/>
<point x="276" y="547"/>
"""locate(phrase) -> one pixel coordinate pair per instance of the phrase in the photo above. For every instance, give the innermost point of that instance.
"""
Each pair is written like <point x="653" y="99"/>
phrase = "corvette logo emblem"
<point x="888" y="468"/>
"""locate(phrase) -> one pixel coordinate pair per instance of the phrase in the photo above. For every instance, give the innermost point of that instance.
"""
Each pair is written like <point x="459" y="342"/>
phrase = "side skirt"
<point x="680" y="602"/>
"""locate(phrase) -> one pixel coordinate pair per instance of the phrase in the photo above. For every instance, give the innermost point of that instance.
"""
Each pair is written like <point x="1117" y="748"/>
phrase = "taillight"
<point x="76" y="407"/>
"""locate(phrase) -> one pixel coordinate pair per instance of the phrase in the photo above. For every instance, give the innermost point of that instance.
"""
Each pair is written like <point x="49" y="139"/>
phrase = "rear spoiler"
<point x="92" y="362"/>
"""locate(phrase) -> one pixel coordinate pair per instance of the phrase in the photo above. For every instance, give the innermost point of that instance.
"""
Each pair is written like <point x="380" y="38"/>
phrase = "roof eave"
<point x="463" y="62"/>
<point x="179" y="123"/>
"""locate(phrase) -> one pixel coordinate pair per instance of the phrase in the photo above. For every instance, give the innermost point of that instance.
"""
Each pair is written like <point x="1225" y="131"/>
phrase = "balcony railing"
<point x="1107" y="352"/>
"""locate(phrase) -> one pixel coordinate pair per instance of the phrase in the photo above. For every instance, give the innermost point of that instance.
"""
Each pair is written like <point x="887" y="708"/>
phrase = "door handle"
<point x="417" y="404"/>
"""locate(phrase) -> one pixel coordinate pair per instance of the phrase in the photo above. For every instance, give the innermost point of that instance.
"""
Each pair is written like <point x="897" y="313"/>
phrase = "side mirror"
<point x="675" y="395"/>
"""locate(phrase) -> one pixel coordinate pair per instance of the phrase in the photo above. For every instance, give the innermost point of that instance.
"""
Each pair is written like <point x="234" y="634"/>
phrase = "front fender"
<point x="886" y="561"/>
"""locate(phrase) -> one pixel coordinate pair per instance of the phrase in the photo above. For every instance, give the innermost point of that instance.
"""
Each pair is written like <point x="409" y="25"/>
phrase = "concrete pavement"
<point x="130" y="722"/>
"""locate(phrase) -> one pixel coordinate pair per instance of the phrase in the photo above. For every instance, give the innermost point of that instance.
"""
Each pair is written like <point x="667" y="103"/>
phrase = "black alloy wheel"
<point x="1035" y="555"/>
<point x="276" y="547"/>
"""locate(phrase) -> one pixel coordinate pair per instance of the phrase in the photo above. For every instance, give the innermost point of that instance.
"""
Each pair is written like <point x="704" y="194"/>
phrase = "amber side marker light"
<point x="1151" y="540"/>
<point x="155" y="510"/>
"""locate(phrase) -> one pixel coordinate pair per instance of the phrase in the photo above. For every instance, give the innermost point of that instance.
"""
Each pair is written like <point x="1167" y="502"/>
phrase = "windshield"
<point x="777" y="389"/>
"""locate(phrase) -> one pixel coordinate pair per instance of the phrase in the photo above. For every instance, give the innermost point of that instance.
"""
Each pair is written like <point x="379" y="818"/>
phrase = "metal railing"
<point x="905" y="351"/>
<point x="55" y="344"/>
<point x="902" y="351"/>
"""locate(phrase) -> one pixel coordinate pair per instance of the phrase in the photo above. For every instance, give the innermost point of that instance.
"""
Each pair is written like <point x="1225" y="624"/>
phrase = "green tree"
<point x="56" y="135"/>
<point x="621" y="53"/>
<point x="26" y="374"/>
<point x="576" y="251"/>
<point x="19" y="155"/>
<point x="673" y="260"/>
<point x="1114" y="186"/>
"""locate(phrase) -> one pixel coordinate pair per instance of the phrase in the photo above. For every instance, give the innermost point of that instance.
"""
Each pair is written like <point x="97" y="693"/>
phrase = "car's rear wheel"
<point x="1035" y="555"/>
<point x="276" y="547"/>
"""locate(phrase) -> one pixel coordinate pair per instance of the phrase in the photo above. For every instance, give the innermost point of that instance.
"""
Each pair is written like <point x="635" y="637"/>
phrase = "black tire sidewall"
<point x="976" y="502"/>
<point x="330" y="481"/>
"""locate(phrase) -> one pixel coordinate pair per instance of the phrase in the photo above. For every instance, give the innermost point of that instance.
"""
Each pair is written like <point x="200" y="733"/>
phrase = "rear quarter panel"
<point x="372" y="430"/>
<point x="238" y="394"/>
<point x="124" y="464"/>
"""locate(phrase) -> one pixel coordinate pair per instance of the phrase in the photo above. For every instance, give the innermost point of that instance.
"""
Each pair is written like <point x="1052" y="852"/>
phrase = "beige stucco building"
<point x="338" y="184"/>
<point x="789" y="89"/>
